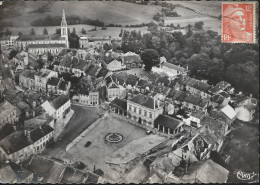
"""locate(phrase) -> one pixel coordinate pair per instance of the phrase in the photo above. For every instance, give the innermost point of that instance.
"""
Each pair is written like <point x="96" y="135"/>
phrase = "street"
<point x="83" y="117"/>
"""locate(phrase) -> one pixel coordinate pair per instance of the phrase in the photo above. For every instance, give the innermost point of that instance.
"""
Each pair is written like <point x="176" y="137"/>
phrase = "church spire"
<point x="63" y="21"/>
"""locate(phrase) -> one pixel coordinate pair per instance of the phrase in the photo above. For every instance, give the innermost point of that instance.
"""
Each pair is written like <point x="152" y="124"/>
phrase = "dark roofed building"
<point x="39" y="37"/>
<point x="102" y="73"/>
<point x="119" y="106"/>
<point x="22" y="141"/>
<point x="131" y="80"/>
<point x="176" y="96"/>
<point x="145" y="101"/>
<point x="60" y="101"/>
<point x="168" y="124"/>
<point x="53" y="81"/>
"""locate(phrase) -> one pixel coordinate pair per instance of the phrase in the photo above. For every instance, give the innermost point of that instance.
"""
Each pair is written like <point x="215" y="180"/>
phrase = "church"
<point x="40" y="44"/>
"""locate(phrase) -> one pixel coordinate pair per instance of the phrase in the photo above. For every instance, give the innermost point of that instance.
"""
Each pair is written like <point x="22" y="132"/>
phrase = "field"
<point x="109" y="12"/>
<point x="202" y="10"/>
<point x="110" y="31"/>
<point x="100" y="149"/>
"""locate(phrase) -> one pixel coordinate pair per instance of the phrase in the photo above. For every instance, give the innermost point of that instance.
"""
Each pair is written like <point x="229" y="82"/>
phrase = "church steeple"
<point x="63" y="21"/>
<point x="64" y="28"/>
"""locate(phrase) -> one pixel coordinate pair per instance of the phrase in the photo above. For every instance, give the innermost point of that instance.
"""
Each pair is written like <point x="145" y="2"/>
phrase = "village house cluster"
<point x="165" y="101"/>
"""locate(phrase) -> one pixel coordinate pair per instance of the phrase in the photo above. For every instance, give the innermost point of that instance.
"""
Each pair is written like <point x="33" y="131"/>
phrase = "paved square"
<point x="100" y="149"/>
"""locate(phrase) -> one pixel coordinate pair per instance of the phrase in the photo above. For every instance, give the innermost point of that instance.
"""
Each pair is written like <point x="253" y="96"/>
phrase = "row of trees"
<point x="71" y="20"/>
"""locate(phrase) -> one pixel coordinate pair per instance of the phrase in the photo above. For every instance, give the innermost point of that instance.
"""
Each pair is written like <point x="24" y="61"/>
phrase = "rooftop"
<point x="60" y="101"/>
<point x="47" y="46"/>
<point x="28" y="73"/>
<point x="145" y="101"/>
<point x="167" y="121"/>
<point x="40" y="37"/>
<point x="54" y="81"/>
<point x="175" y="67"/>
<point x="197" y="113"/>
<point x="121" y="103"/>
<point x="5" y="109"/>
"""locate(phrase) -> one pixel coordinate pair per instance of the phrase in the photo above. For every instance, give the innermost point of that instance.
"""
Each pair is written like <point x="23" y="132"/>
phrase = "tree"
<point x="104" y="27"/>
<point x="107" y="47"/>
<point x="199" y="25"/>
<point x="12" y="54"/>
<point x="20" y="33"/>
<point x="45" y="31"/>
<point x="151" y="58"/>
<point x="8" y="32"/>
<point x="74" y="31"/>
<point x="189" y="31"/>
<point x="32" y="31"/>
<point x="121" y="33"/>
<point x="58" y="31"/>
<point x="83" y="31"/>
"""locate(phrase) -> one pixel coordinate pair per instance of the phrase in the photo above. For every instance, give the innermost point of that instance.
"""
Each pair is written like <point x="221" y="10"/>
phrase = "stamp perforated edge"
<point x="255" y="20"/>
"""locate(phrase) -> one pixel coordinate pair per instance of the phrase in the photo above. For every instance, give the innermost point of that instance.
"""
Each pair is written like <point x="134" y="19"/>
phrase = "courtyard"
<point x="95" y="154"/>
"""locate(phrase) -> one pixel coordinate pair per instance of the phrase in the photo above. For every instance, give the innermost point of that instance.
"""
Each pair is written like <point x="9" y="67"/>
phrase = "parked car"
<point x="88" y="143"/>
<point x="148" y="132"/>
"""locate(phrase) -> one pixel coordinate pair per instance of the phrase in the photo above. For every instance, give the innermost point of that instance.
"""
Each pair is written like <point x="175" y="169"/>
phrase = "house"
<point x="8" y="41"/>
<point x="93" y="70"/>
<point x="27" y="80"/>
<point x="246" y="109"/>
<point x="104" y="72"/>
<point x="206" y="172"/>
<point x="192" y="149"/>
<point x="144" y="109"/>
<point x="196" y="117"/>
<point x="195" y="102"/>
<point x="79" y="66"/>
<point x="21" y="144"/>
<point x="58" y="86"/>
<point x="116" y="65"/>
<point x="168" y="125"/>
<point x="41" y="78"/>
<point x="113" y="91"/>
<point x="58" y="108"/>
<point x="98" y="41"/>
<point x="40" y="49"/>
<point x="199" y="88"/>
<point x="52" y="170"/>
<point x="176" y="97"/>
<point x="7" y="113"/>
<point x="23" y="175"/>
<point x="83" y="42"/>
<point x="170" y="69"/>
<point x="154" y="179"/>
<point x="119" y="106"/>
<point x="131" y="60"/>
<point x="218" y="100"/>
<point x="21" y="59"/>
<point x="131" y="81"/>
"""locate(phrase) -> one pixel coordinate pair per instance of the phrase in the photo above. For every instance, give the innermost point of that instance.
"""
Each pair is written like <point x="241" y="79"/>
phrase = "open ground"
<point x="99" y="150"/>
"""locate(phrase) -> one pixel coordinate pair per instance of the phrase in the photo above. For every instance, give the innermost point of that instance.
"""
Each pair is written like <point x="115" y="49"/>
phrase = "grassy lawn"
<point x="109" y="12"/>
<point x="96" y="153"/>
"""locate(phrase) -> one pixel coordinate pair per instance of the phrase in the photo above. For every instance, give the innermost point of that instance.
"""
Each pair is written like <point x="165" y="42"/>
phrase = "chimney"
<point x="94" y="168"/>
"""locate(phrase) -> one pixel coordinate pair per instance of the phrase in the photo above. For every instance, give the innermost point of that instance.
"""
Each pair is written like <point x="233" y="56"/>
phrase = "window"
<point x="140" y="111"/>
<point x="134" y="109"/>
<point x="145" y="113"/>
<point x="151" y="116"/>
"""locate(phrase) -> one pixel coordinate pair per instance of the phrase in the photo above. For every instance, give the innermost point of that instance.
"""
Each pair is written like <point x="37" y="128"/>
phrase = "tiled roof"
<point x="120" y="78"/>
<point x="40" y="132"/>
<point x="214" y="125"/>
<point x="20" y="172"/>
<point x="103" y="72"/>
<point x="220" y="116"/>
<point x="121" y="103"/>
<point x="54" y="81"/>
<point x="176" y="95"/>
<point x="145" y="101"/>
<point x="80" y="64"/>
<point x="40" y="37"/>
<point x="59" y="101"/>
<point x="164" y="80"/>
<point x="222" y="85"/>
<point x="92" y="179"/>
<point x="46" y="46"/>
<point x="217" y="99"/>
<point x="85" y="86"/>
<point x="66" y="61"/>
<point x="204" y="87"/>
<point x="17" y="140"/>
<point x="28" y="73"/>
<point x="6" y="108"/>
<point x="197" y="113"/>
<point x="175" y="67"/>
<point x="131" y="80"/>
<point x="142" y="83"/>
<point x="72" y="175"/>
<point x="7" y="175"/>
<point x="93" y="70"/>
<point x="195" y="100"/>
<point x="113" y="85"/>
<point x="167" y="121"/>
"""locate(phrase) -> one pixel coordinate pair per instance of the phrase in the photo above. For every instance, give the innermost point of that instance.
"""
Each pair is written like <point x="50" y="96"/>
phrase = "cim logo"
<point x="245" y="176"/>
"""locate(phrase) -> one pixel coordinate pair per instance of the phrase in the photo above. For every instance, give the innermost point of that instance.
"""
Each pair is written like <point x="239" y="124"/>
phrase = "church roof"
<point x="40" y="37"/>
<point x="47" y="46"/>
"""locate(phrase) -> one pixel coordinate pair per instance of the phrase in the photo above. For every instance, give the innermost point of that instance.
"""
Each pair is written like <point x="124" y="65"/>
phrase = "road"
<point x="83" y="117"/>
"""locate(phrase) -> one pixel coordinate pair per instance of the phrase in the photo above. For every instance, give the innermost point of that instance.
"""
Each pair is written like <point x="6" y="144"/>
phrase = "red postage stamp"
<point x="238" y="22"/>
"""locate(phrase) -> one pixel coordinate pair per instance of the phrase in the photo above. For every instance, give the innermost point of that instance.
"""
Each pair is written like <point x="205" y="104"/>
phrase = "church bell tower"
<point x="64" y="28"/>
